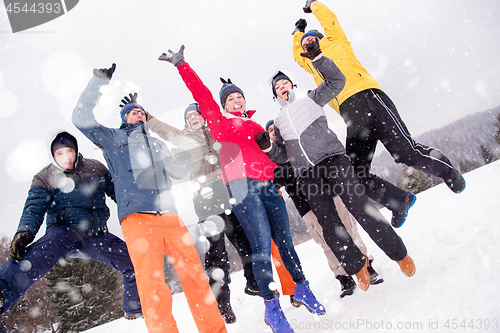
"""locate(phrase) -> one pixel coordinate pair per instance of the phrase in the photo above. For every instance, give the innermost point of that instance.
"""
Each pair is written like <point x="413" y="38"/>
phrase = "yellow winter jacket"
<point x="336" y="47"/>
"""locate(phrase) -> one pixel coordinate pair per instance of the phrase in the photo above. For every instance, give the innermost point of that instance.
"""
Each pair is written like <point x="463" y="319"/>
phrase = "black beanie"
<point x="62" y="140"/>
<point x="227" y="89"/>
<point x="279" y="76"/>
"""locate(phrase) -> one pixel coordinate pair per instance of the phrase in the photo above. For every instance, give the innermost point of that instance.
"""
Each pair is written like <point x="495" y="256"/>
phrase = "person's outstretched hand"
<point x="105" y="73"/>
<point x="307" y="7"/>
<point x="175" y="59"/>
<point x="129" y="99"/>
<point x="300" y="25"/>
<point x="312" y="49"/>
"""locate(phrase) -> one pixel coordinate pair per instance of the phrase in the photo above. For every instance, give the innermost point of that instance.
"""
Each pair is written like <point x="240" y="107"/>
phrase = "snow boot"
<point x="304" y="295"/>
<point x="374" y="277"/>
<point x="132" y="316"/>
<point x="252" y="288"/>
<point x="407" y="266"/>
<point x="455" y="181"/>
<point x="347" y="285"/>
<point x="294" y="303"/>
<point x="227" y="313"/>
<point x="363" y="277"/>
<point x="399" y="216"/>
<point x="275" y="318"/>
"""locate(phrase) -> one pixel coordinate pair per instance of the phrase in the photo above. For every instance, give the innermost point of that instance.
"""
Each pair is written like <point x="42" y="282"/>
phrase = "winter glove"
<point x="19" y="243"/>
<point x="300" y="25"/>
<point x="263" y="141"/>
<point x="312" y="50"/>
<point x="175" y="59"/>
<point x="307" y="7"/>
<point x="105" y="73"/>
<point x="126" y="100"/>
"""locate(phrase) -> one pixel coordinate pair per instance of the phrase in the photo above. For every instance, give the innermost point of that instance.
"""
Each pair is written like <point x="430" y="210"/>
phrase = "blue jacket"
<point x="141" y="165"/>
<point x="74" y="198"/>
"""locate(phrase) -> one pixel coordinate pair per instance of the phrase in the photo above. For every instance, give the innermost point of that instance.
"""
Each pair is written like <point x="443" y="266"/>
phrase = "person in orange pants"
<point x="142" y="168"/>
<point x="146" y="250"/>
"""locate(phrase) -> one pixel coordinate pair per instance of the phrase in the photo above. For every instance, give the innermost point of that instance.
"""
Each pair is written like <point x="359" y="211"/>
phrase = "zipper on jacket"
<point x="153" y="166"/>
<point x="297" y="134"/>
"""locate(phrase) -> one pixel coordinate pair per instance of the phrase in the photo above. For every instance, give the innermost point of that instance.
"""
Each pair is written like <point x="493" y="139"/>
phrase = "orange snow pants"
<point x="148" y="236"/>
<point x="286" y="281"/>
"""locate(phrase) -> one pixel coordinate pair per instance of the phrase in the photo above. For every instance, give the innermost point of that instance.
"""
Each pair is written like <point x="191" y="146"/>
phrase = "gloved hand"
<point x="19" y="243"/>
<point x="263" y="141"/>
<point x="300" y="25"/>
<point x="126" y="100"/>
<point x="105" y="73"/>
<point x="175" y="59"/>
<point x="312" y="50"/>
<point x="307" y="7"/>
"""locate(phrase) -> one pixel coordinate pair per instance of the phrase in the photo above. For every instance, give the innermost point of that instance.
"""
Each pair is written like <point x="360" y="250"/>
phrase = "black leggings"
<point x="335" y="176"/>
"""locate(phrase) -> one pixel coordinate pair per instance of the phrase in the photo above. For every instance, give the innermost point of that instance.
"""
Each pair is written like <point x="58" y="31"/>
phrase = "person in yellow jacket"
<point x="370" y="116"/>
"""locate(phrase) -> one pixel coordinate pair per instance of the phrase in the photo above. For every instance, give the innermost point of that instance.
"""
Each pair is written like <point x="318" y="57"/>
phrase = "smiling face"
<point x="281" y="87"/>
<point x="65" y="157"/>
<point x="136" y="115"/>
<point x="235" y="102"/>
<point x="308" y="40"/>
<point x="194" y="120"/>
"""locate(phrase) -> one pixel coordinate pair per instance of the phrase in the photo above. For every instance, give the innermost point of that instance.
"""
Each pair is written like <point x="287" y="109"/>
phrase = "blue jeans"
<point x="262" y="213"/>
<point x="61" y="242"/>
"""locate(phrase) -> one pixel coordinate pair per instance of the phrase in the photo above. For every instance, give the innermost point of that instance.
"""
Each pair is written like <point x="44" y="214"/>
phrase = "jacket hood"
<point x="59" y="135"/>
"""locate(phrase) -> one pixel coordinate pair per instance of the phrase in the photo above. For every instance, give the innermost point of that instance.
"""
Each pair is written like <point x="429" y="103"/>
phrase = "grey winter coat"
<point x="302" y="133"/>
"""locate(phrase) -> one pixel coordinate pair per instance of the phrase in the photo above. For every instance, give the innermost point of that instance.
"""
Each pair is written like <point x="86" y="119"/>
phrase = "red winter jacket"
<point x="240" y="156"/>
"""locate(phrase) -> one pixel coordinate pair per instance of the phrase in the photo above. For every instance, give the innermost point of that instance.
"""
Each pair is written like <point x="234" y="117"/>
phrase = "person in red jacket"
<point x="248" y="174"/>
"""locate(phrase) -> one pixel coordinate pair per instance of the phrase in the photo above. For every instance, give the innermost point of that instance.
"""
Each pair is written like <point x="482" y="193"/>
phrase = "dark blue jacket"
<point x="74" y="198"/>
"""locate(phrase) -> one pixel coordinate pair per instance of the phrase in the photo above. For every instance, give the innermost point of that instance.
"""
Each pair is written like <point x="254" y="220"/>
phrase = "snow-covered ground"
<point x="455" y="243"/>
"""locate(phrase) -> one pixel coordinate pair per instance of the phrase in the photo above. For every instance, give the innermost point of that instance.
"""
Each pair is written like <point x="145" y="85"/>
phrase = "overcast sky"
<point x="437" y="60"/>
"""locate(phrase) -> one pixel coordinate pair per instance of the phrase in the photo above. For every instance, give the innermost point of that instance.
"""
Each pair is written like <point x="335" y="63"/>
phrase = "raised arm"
<point x="208" y="107"/>
<point x="83" y="114"/>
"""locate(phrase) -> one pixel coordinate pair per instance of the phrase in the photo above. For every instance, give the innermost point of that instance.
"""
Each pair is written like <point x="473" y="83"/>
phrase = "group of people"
<point x="238" y="169"/>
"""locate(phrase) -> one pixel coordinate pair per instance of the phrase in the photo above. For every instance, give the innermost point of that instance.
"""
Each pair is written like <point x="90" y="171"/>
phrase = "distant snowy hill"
<point x="455" y="242"/>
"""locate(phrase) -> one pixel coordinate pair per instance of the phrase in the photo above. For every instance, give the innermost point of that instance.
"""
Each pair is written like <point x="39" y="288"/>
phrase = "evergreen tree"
<point x="414" y="180"/>
<point x="34" y="311"/>
<point x="85" y="293"/>
<point x="487" y="155"/>
<point x="496" y="136"/>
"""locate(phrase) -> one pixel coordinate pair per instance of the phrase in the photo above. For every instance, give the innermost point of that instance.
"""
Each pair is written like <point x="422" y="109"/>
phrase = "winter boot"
<point x="363" y="277"/>
<point x="455" y="181"/>
<point x="347" y="285"/>
<point x="275" y="318"/>
<point x="304" y="295"/>
<point x="227" y="313"/>
<point x="407" y="266"/>
<point x="374" y="277"/>
<point x="252" y="288"/>
<point x="399" y="215"/>
<point x="132" y="316"/>
<point x="294" y="303"/>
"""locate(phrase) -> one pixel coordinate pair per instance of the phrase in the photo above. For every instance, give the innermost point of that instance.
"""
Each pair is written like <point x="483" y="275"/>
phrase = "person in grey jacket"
<point x="323" y="170"/>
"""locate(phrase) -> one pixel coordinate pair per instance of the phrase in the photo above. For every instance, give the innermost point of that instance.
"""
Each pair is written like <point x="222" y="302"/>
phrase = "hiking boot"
<point x="304" y="295"/>
<point x="407" y="266"/>
<point x="227" y="313"/>
<point x="363" y="277"/>
<point x="374" y="277"/>
<point x="132" y="316"/>
<point x="455" y="181"/>
<point x="252" y="289"/>
<point x="294" y="303"/>
<point x="347" y="285"/>
<point x="399" y="215"/>
<point x="275" y="318"/>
